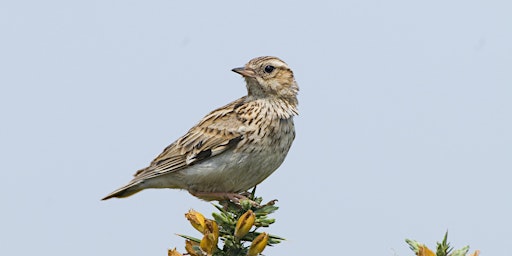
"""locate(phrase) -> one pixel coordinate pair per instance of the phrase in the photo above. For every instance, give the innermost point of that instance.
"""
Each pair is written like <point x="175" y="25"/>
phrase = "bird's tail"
<point x="125" y="191"/>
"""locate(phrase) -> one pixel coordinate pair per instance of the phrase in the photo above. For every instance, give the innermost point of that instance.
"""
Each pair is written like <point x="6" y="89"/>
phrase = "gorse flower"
<point x="442" y="249"/>
<point x="196" y="219"/>
<point x="211" y="235"/>
<point x="233" y="231"/>
<point x="258" y="244"/>
<point x="193" y="248"/>
<point x="244" y="224"/>
<point x="173" y="252"/>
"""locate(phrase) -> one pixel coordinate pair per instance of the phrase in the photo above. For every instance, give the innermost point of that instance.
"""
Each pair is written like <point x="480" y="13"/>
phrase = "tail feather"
<point x="124" y="191"/>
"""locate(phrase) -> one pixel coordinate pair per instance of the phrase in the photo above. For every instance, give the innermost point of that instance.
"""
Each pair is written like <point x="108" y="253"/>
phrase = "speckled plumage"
<point x="235" y="147"/>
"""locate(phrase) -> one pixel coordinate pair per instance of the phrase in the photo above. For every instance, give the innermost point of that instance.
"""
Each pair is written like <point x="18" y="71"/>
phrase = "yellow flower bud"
<point x="244" y="224"/>
<point x="258" y="244"/>
<point x="173" y="252"/>
<point x="211" y="237"/>
<point x="424" y="251"/>
<point x="196" y="219"/>
<point x="208" y="243"/>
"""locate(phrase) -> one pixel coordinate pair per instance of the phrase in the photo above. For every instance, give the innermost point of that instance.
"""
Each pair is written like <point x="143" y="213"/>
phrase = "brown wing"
<point x="217" y="132"/>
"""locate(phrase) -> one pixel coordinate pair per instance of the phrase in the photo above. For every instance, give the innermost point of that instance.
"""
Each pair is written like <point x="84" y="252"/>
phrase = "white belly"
<point x="231" y="172"/>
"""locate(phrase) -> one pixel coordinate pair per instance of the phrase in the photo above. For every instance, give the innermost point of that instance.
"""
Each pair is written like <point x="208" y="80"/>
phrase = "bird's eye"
<point x="269" y="69"/>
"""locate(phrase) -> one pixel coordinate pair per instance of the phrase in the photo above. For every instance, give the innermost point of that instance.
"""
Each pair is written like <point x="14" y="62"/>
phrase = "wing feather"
<point x="218" y="132"/>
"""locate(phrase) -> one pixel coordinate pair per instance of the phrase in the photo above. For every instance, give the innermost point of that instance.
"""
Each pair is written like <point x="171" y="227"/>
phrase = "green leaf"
<point x="414" y="245"/>
<point x="461" y="252"/>
<point x="190" y="238"/>
<point x="443" y="248"/>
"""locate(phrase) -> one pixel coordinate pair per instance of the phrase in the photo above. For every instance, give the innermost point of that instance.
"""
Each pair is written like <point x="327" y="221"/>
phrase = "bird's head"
<point x="269" y="77"/>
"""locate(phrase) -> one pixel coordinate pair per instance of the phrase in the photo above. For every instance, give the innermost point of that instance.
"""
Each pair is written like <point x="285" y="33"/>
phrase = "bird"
<point x="233" y="148"/>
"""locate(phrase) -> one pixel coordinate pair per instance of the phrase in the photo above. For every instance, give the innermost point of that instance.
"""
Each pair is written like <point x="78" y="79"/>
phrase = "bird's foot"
<point x="223" y="196"/>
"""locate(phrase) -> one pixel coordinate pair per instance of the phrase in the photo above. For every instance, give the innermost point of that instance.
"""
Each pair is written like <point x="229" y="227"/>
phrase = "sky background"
<point x="404" y="128"/>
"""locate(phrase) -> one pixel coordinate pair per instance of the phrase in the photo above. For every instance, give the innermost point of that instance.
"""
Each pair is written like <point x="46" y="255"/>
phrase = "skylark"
<point x="235" y="147"/>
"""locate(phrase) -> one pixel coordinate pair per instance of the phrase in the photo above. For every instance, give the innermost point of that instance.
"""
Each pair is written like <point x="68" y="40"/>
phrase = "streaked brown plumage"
<point x="233" y="148"/>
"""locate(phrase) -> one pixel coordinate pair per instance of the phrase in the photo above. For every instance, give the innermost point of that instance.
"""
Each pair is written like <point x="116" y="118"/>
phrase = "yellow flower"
<point x="196" y="219"/>
<point x="424" y="251"/>
<point x="244" y="224"/>
<point x="208" y="243"/>
<point x="173" y="252"/>
<point x="211" y="227"/>
<point x="189" y="247"/>
<point x="258" y="244"/>
<point x="211" y="237"/>
<point x="476" y="253"/>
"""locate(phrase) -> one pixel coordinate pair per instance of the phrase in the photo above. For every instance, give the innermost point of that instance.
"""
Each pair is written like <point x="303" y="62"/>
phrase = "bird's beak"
<point x="246" y="72"/>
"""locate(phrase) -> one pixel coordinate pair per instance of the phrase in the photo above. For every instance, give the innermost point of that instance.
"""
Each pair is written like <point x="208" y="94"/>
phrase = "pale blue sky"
<point x="404" y="128"/>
